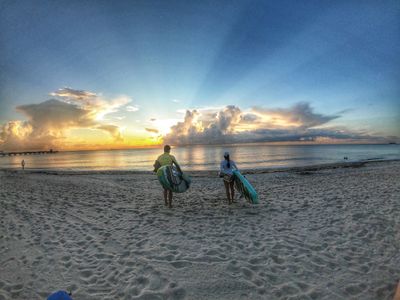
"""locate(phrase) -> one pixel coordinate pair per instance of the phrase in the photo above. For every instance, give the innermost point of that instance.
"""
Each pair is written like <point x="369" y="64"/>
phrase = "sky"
<point x="122" y="74"/>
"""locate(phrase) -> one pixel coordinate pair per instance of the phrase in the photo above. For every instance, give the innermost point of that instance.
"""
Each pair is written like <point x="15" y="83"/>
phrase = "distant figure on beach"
<point x="226" y="172"/>
<point x="23" y="164"/>
<point x="166" y="159"/>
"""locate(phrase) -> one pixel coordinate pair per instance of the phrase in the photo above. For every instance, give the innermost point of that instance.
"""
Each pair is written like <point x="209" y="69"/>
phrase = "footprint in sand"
<point x="277" y="259"/>
<point x="156" y="282"/>
<point x="258" y="282"/>
<point x="212" y="252"/>
<point x="126" y="254"/>
<point x="172" y="247"/>
<point x="180" y="264"/>
<point x="233" y="266"/>
<point x="257" y="260"/>
<point x="85" y="274"/>
<point x="141" y="281"/>
<point x="16" y="288"/>
<point x="248" y="274"/>
<point x="355" y="289"/>
<point x="176" y="292"/>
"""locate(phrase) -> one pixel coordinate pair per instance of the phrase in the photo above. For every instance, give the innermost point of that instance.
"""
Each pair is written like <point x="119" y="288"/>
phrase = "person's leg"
<point x="397" y="293"/>
<point x="232" y="186"/>
<point x="165" y="197"/>
<point x="170" y="199"/>
<point x="226" y="184"/>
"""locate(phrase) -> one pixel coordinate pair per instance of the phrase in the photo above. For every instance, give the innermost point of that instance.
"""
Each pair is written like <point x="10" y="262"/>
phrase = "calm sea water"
<point x="247" y="156"/>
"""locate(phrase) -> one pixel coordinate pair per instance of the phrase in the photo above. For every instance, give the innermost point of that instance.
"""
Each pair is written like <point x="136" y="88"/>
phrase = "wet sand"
<point x="318" y="233"/>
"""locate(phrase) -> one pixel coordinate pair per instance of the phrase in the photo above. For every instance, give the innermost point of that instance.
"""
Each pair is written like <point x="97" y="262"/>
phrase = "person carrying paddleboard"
<point x="166" y="159"/>
<point x="226" y="172"/>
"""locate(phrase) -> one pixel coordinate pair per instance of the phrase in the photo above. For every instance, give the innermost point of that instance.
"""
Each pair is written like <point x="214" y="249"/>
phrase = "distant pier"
<point x="51" y="151"/>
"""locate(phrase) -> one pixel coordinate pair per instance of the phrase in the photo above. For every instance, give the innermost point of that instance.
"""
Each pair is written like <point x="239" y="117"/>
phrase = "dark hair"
<point x="227" y="158"/>
<point x="167" y="148"/>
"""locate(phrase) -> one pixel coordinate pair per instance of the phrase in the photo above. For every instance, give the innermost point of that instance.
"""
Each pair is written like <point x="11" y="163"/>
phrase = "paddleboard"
<point x="245" y="188"/>
<point x="172" y="180"/>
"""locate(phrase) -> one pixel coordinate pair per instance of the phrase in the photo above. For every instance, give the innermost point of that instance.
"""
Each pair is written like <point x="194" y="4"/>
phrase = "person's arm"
<point x="176" y="164"/>
<point x="222" y="168"/>
<point x="234" y="166"/>
<point x="156" y="165"/>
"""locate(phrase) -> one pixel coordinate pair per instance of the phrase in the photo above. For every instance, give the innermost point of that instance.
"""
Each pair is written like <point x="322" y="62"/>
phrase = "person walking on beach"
<point x="166" y="159"/>
<point x="23" y="164"/>
<point x="226" y="172"/>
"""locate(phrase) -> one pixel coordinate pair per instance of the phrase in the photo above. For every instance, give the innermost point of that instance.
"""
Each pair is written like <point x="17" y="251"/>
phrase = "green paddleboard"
<point x="172" y="180"/>
<point x="245" y="188"/>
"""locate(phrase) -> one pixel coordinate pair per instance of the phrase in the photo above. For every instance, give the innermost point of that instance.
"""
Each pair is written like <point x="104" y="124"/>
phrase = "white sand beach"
<point x="316" y="234"/>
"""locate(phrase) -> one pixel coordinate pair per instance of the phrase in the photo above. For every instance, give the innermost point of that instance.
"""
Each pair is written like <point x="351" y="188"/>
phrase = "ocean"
<point x="206" y="157"/>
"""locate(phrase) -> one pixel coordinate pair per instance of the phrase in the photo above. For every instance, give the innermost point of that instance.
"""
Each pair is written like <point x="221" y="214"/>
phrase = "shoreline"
<point x="206" y="173"/>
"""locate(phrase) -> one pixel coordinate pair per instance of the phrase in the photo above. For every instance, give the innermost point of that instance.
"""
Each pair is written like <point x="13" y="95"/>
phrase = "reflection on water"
<point x="247" y="156"/>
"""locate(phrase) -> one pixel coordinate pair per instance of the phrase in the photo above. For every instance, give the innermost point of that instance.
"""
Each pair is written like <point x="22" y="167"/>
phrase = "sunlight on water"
<point x="247" y="156"/>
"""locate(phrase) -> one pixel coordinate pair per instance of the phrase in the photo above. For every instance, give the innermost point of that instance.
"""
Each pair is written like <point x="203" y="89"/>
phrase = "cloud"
<point x="232" y="125"/>
<point x="250" y="118"/>
<point x="74" y="94"/>
<point x="131" y="108"/>
<point x="54" y="115"/>
<point x="152" y="130"/>
<point x="91" y="101"/>
<point x="14" y="133"/>
<point x="113" y="130"/>
<point x="299" y="115"/>
<point x="47" y="122"/>
<point x="209" y="127"/>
